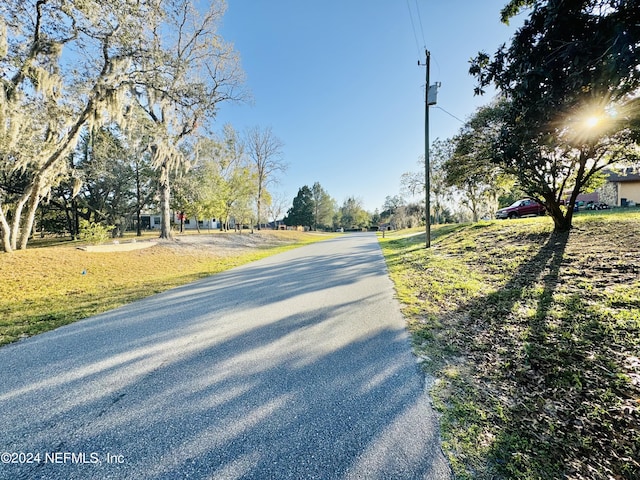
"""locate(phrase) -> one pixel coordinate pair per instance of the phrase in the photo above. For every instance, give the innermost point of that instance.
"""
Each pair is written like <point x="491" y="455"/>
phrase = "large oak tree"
<point x="68" y="66"/>
<point x="63" y="65"/>
<point x="571" y="80"/>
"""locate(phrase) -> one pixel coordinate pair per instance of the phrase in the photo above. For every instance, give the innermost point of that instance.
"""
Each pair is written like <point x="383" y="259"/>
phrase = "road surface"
<point x="297" y="366"/>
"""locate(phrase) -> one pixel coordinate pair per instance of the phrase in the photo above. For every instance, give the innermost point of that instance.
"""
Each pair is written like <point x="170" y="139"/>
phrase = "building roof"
<point x="630" y="174"/>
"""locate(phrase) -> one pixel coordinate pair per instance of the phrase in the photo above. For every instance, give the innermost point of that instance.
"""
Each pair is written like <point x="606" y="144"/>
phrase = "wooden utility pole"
<point x="427" y="167"/>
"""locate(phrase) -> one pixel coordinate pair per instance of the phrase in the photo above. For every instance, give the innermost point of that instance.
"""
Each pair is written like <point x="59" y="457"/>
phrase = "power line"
<point x="450" y="114"/>
<point x="424" y="42"/>
<point x="415" y="35"/>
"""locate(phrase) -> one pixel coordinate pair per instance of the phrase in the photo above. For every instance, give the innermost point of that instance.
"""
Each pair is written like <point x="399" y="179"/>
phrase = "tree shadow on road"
<point x="183" y="386"/>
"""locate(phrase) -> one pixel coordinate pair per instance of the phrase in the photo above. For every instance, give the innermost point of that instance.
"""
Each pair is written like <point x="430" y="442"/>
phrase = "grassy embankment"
<point x="42" y="288"/>
<point x="534" y="341"/>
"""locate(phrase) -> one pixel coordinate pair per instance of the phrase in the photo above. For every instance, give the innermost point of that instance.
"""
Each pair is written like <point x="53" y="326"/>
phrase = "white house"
<point x="152" y="221"/>
<point x="193" y="224"/>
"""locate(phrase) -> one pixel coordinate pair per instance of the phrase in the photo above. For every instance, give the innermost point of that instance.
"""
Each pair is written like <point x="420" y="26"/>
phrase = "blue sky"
<point x="339" y="84"/>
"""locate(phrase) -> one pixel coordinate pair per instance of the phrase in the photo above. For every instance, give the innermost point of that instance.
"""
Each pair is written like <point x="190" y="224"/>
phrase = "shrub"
<point x="93" y="232"/>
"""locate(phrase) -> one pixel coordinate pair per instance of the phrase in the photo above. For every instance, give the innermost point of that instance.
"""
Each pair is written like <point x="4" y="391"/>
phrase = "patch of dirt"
<point x="232" y="243"/>
<point x="118" y="247"/>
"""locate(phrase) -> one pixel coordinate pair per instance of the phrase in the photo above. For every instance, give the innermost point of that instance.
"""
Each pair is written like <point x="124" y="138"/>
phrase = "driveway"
<point x="296" y="366"/>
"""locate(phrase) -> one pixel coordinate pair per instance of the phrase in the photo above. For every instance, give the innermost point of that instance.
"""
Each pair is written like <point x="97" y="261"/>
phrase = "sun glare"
<point x="592" y="121"/>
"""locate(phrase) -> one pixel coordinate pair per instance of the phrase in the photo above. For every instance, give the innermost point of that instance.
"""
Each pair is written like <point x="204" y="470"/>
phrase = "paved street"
<point x="294" y="367"/>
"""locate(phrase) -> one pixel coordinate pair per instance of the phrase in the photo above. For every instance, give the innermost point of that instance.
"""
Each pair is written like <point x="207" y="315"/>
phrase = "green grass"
<point x="534" y="341"/>
<point x="54" y="284"/>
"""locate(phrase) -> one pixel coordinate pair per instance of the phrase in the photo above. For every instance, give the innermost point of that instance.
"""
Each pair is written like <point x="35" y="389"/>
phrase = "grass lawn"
<point x="534" y="341"/>
<point x="54" y="283"/>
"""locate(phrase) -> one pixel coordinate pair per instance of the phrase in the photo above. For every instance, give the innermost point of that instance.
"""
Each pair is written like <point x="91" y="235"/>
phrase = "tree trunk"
<point x="138" y="201"/>
<point x="17" y="218"/>
<point x="5" y="233"/>
<point x="474" y="209"/>
<point x="165" y="195"/>
<point x="68" y="216"/>
<point x="27" y="226"/>
<point x="21" y="231"/>
<point x="259" y="205"/>
<point x="561" y="220"/>
<point x="563" y="223"/>
<point x="76" y="219"/>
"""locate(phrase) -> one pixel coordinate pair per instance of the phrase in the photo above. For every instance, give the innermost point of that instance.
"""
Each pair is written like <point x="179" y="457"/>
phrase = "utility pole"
<point x="427" y="167"/>
<point x="427" y="164"/>
<point x="430" y="98"/>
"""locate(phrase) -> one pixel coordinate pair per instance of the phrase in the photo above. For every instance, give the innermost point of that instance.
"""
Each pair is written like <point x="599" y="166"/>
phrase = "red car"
<point x="523" y="207"/>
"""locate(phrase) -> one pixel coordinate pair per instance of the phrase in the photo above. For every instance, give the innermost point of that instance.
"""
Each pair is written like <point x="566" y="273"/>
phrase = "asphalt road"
<point x="294" y="367"/>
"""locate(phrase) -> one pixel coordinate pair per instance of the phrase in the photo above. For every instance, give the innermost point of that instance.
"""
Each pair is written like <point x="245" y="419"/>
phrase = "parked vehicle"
<point x="596" y="206"/>
<point x="521" y="208"/>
